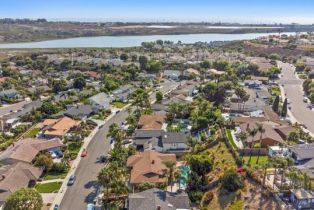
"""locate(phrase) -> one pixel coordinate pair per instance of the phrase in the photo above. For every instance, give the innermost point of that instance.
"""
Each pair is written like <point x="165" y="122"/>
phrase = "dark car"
<point x="56" y="207"/>
<point x="103" y="158"/>
<point x="117" y="112"/>
<point x="71" y="180"/>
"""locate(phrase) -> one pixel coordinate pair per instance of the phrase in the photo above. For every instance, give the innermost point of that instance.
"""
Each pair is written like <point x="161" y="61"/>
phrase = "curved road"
<point x="83" y="191"/>
<point x="293" y="88"/>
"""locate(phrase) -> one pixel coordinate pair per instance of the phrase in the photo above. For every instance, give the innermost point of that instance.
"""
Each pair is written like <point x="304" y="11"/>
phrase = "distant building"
<point x="81" y="112"/>
<point x="172" y="74"/>
<point x="100" y="101"/>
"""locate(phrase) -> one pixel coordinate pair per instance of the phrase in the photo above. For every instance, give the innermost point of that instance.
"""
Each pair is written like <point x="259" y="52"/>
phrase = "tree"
<point x="276" y="104"/>
<point x="284" y="110"/>
<point x="105" y="177"/>
<point x="48" y="108"/>
<point x="124" y="57"/>
<point x="79" y="83"/>
<point x="294" y="136"/>
<point x="44" y="161"/>
<point x="221" y="65"/>
<point x="261" y="130"/>
<point x="24" y="199"/>
<point x="134" y="58"/>
<point x="58" y="85"/>
<point x="170" y="172"/>
<point x="205" y="64"/>
<point x="155" y="66"/>
<point x="201" y="165"/>
<point x="159" y="96"/>
<point x="232" y="180"/>
<point x="143" y="62"/>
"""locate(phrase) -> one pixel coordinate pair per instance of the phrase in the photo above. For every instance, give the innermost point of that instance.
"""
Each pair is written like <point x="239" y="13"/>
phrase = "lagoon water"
<point x="130" y="41"/>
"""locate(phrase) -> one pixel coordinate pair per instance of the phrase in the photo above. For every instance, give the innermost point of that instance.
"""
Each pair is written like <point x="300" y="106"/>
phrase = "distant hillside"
<point x="25" y="30"/>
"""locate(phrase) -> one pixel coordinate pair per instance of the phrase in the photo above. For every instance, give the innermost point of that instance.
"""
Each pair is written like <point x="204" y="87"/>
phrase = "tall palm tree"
<point x="261" y="130"/>
<point x="252" y="132"/>
<point x="106" y="177"/>
<point x="170" y="172"/>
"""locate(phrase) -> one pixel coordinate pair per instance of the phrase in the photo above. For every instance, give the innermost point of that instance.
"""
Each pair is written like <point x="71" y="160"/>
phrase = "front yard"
<point x="118" y="104"/>
<point x="54" y="175"/>
<point x="48" y="187"/>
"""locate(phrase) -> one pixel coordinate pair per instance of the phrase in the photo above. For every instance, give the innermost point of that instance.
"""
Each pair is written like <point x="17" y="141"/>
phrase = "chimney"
<point x="158" y="208"/>
<point x="153" y="161"/>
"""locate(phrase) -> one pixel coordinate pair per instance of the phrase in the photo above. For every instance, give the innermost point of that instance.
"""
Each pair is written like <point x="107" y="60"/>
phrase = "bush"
<point x="231" y="180"/>
<point x="60" y="167"/>
<point x="195" y="196"/>
<point x="207" y="198"/>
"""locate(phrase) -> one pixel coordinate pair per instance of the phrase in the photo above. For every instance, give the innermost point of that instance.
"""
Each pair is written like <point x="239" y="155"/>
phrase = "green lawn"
<point x="32" y="133"/>
<point x="118" y="104"/>
<point x="48" y="187"/>
<point x="261" y="160"/>
<point x="54" y="175"/>
<point x="230" y="138"/>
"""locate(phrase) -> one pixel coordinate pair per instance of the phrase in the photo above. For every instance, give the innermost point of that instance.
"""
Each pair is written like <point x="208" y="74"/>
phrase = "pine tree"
<point x="276" y="104"/>
<point x="284" y="108"/>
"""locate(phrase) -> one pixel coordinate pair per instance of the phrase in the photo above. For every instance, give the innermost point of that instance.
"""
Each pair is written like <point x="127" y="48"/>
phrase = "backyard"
<point x="32" y="133"/>
<point x="118" y="104"/>
<point x="255" y="160"/>
<point x="230" y="138"/>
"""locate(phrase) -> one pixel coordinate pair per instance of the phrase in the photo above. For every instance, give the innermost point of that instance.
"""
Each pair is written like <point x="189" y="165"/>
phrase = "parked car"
<point x="56" y="207"/>
<point x="84" y="153"/>
<point x="103" y="158"/>
<point x="117" y="111"/>
<point x="71" y="180"/>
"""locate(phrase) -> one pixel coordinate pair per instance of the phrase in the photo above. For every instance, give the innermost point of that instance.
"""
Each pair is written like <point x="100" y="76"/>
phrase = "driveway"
<point x="84" y="189"/>
<point x="293" y="90"/>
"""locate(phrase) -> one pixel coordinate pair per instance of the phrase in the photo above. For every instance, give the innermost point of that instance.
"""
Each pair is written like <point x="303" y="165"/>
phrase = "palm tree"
<point x="170" y="172"/>
<point x="252" y="132"/>
<point x="261" y="130"/>
<point x="105" y="177"/>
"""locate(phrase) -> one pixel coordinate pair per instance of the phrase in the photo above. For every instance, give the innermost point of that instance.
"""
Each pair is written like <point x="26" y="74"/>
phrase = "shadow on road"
<point x="91" y="184"/>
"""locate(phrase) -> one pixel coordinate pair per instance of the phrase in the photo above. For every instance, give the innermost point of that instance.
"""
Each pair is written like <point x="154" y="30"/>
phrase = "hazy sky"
<point x="244" y="11"/>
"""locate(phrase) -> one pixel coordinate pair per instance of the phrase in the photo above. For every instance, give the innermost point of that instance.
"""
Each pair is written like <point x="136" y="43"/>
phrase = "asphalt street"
<point x="293" y="89"/>
<point x="84" y="189"/>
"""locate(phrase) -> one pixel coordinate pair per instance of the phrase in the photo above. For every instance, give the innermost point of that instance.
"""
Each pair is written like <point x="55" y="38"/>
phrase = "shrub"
<point x="207" y="198"/>
<point x="195" y="196"/>
<point x="231" y="180"/>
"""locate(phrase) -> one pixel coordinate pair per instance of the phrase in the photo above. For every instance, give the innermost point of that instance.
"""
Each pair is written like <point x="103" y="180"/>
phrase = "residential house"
<point x="269" y="138"/>
<point x="156" y="199"/>
<point x="302" y="199"/>
<point x="81" y="112"/>
<point x="174" y="142"/>
<point x="58" y="128"/>
<point x="172" y="74"/>
<point x="251" y="105"/>
<point x="284" y="131"/>
<point x="19" y="110"/>
<point x="187" y="90"/>
<point x="190" y="72"/>
<point x="15" y="177"/>
<point x="9" y="93"/>
<point x="151" y="122"/>
<point x="123" y="93"/>
<point x="262" y="63"/>
<point x="26" y="150"/>
<point x="92" y="75"/>
<point x="149" y="167"/>
<point x="100" y="101"/>
<point x="301" y="153"/>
